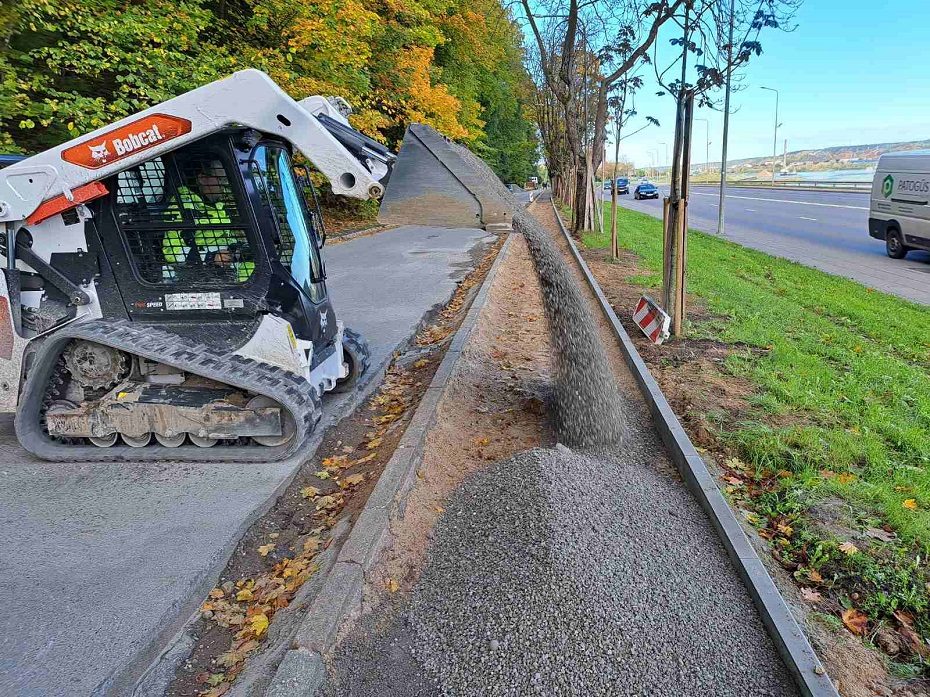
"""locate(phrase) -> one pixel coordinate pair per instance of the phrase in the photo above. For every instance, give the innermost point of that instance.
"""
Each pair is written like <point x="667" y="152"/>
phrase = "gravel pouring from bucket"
<point x="436" y="182"/>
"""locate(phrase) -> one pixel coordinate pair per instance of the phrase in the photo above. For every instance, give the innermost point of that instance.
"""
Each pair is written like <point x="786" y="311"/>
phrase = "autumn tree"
<point x="624" y="35"/>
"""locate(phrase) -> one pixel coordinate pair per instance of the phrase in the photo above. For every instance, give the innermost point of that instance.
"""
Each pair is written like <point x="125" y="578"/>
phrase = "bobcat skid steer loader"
<point x="163" y="290"/>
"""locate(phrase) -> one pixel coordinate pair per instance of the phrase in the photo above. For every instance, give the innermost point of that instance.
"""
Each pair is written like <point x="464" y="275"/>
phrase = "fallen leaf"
<point x="229" y="659"/>
<point x="735" y="481"/>
<point x="827" y="474"/>
<point x="308" y="492"/>
<point x="785" y="474"/>
<point x="218" y="691"/>
<point x="322" y="474"/>
<point x="374" y="443"/>
<point x="311" y="545"/>
<point x="439" y="509"/>
<point x="216" y="678"/>
<point x="336" y="462"/>
<point x="259" y="624"/>
<point x="880" y="534"/>
<point x="265" y="549"/>
<point x="482" y="441"/>
<point x="244" y="594"/>
<point x="421" y="363"/>
<point x="810" y="595"/>
<point x="814" y="575"/>
<point x="904" y="618"/>
<point x="327" y="503"/>
<point x="392" y="585"/>
<point x="848" y="548"/>
<point x="785" y="530"/>
<point x="217" y="593"/>
<point x="855" y="620"/>
<point x="354" y="480"/>
<point x="368" y="458"/>
<point x="846" y="478"/>
<point x="910" y="504"/>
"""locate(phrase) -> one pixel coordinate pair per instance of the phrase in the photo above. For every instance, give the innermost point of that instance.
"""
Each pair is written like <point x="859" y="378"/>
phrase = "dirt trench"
<point x="495" y="405"/>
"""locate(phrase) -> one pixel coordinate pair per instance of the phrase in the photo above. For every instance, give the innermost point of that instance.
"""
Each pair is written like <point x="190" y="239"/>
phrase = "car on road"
<point x="623" y="185"/>
<point x="515" y="188"/>
<point x="645" y="190"/>
<point x="899" y="210"/>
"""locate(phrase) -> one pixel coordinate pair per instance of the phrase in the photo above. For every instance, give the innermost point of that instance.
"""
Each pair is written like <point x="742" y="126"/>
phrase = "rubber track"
<point x="294" y="393"/>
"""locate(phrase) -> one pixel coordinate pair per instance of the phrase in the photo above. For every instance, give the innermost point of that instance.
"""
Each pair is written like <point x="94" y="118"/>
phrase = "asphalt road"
<point x="825" y="230"/>
<point x="102" y="564"/>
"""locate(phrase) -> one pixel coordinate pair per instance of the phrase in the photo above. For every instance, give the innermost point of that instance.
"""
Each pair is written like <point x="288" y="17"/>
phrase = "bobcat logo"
<point x="324" y="320"/>
<point x="99" y="152"/>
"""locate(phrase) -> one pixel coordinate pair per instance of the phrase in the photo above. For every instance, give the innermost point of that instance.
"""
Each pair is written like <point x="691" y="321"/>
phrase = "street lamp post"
<point x="665" y="161"/>
<point x="706" y="143"/>
<point x="775" y="135"/>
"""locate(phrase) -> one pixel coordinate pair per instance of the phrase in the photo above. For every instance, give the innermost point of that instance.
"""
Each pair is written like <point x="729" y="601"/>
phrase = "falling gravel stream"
<point x="582" y="570"/>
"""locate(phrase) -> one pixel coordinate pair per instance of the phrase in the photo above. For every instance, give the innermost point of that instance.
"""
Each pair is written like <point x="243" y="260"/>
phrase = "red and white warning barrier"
<point x="651" y="319"/>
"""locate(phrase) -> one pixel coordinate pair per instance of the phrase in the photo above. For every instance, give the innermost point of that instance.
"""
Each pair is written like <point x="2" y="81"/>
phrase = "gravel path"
<point x="563" y="573"/>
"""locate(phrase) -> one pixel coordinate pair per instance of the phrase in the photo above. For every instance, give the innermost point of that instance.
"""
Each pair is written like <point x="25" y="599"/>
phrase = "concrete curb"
<point x="302" y="671"/>
<point x="809" y="674"/>
<point x="145" y="672"/>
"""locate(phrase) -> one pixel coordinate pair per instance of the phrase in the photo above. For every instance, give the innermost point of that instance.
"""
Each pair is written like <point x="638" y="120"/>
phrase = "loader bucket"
<point x="437" y="182"/>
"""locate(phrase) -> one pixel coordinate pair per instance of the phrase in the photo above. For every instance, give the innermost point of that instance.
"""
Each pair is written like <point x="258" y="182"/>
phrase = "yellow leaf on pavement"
<point x="374" y="443"/>
<point x="244" y="594"/>
<point x="308" y="492"/>
<point x="265" y="549"/>
<point x="217" y="593"/>
<point x="354" y="480"/>
<point x="392" y="585"/>
<point x="322" y="474"/>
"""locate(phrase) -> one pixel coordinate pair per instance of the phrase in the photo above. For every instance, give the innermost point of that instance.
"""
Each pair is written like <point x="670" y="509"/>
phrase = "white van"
<point x="900" y="208"/>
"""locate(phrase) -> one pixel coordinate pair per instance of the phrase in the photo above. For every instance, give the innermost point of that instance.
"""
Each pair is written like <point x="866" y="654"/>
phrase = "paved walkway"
<point x="102" y="564"/>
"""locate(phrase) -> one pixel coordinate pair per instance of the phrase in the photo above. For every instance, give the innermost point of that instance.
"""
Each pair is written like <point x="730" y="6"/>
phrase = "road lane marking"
<point x="782" y="200"/>
<point x="751" y="210"/>
<point x="806" y="218"/>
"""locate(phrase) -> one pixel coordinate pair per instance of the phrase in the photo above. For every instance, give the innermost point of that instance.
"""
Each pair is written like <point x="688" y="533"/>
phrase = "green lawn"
<point x="851" y="364"/>
<point x="841" y="407"/>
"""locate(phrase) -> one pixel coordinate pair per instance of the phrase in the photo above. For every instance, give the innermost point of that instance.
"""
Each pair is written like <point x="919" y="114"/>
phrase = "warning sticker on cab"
<point x="193" y="301"/>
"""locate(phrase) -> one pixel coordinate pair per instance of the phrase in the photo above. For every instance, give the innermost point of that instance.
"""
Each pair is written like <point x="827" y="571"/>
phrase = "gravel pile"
<point x="561" y="573"/>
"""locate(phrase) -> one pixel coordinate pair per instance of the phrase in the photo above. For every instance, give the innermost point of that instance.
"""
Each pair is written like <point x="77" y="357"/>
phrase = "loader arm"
<point x="58" y="178"/>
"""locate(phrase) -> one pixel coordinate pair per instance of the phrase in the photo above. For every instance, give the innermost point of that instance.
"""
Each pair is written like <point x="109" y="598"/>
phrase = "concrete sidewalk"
<point x="102" y="564"/>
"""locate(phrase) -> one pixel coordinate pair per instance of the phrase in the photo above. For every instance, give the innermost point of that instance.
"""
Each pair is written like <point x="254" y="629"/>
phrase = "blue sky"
<point x="853" y="72"/>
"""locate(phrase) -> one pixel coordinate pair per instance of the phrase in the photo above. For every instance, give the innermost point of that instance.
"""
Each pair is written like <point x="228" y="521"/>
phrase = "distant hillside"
<point x="839" y="156"/>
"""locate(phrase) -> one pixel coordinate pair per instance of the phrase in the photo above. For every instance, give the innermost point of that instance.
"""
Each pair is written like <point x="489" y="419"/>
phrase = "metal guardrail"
<point x="797" y="185"/>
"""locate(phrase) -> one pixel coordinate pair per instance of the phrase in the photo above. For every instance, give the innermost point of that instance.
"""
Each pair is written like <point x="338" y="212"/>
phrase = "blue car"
<point x="623" y="185"/>
<point x="645" y="190"/>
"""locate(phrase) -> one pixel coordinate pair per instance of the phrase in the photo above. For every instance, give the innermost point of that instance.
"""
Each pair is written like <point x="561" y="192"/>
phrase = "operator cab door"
<point x="298" y="289"/>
